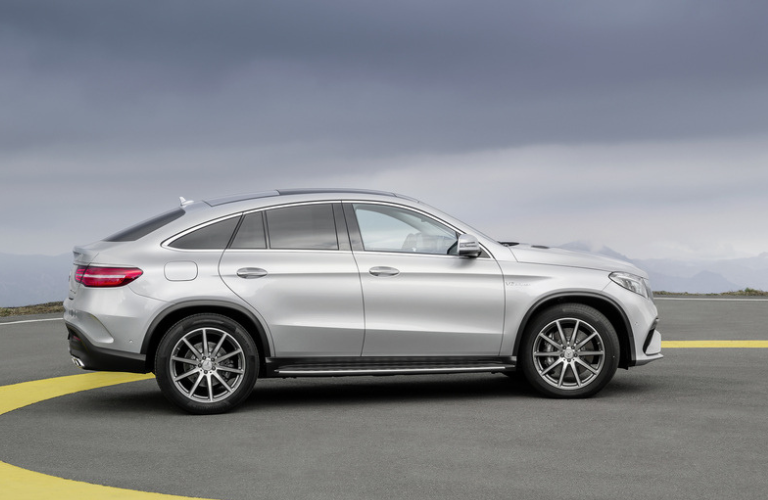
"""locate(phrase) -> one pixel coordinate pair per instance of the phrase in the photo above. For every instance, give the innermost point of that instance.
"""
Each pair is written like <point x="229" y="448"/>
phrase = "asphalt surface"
<point x="690" y="426"/>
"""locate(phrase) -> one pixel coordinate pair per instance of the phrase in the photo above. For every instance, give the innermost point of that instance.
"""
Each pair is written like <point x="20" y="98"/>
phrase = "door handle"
<point x="250" y="273"/>
<point x="383" y="271"/>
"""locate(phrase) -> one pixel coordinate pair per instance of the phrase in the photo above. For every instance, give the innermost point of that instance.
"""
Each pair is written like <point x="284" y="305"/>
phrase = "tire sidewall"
<point x="175" y="333"/>
<point x="584" y="313"/>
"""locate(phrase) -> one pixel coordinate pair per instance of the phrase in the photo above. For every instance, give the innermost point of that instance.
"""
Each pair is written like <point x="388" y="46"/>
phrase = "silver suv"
<point x="306" y="283"/>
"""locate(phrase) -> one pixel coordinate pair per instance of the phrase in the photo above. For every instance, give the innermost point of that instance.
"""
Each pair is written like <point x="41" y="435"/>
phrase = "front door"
<point x="420" y="297"/>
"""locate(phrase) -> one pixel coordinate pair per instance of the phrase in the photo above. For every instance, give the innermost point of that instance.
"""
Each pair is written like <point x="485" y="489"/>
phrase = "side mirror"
<point x="469" y="246"/>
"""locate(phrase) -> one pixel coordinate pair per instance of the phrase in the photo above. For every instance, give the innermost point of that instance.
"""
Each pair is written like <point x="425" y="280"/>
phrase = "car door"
<point x="420" y="297"/>
<point x="294" y="266"/>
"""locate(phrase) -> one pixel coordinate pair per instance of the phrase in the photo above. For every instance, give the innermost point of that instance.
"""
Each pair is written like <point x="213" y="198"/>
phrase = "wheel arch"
<point x="177" y="312"/>
<point x="605" y="304"/>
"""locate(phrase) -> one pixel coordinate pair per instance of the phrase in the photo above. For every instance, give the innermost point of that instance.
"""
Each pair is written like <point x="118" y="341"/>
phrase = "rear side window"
<point x="142" y="229"/>
<point x="214" y="236"/>
<point x="305" y="227"/>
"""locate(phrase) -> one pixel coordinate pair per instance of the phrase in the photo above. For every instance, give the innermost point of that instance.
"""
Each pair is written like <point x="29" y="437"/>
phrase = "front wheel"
<point x="569" y="351"/>
<point x="206" y="363"/>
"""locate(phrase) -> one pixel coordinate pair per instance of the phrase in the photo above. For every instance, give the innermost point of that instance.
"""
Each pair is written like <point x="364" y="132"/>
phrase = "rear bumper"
<point x="98" y="358"/>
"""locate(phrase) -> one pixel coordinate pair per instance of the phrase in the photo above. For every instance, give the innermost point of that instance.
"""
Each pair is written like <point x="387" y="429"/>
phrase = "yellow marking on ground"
<point x="26" y="393"/>
<point x="729" y="344"/>
<point x="23" y="484"/>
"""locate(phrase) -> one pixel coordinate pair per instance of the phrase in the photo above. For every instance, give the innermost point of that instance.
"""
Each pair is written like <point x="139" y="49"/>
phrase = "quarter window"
<point x="304" y="227"/>
<point x="390" y="229"/>
<point x="211" y="237"/>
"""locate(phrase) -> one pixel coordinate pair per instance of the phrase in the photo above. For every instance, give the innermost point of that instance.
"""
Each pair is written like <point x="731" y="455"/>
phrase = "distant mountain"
<point x="33" y="279"/>
<point x="693" y="276"/>
<point x="582" y="246"/>
<point x="702" y="282"/>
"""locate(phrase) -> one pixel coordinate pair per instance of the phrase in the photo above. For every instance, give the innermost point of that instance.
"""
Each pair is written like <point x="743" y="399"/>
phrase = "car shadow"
<point x="274" y="394"/>
<point x="384" y="390"/>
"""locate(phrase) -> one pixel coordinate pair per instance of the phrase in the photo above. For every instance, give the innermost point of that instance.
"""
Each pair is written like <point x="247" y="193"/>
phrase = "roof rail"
<point x="331" y="190"/>
<point x="286" y="192"/>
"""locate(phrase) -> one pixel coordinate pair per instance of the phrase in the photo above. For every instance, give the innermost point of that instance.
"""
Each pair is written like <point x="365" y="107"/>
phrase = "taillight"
<point x="97" y="276"/>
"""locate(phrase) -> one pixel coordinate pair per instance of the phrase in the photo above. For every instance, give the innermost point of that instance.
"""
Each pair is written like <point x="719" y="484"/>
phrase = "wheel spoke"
<point x="575" y="332"/>
<point x="205" y="343"/>
<point x="210" y="387"/>
<point x="230" y="370"/>
<point x="222" y="382"/>
<point x="185" y="375"/>
<point x="552" y="366"/>
<point x="554" y="344"/>
<point x="184" y="360"/>
<point x="218" y="345"/>
<point x="591" y="353"/>
<point x="229" y="355"/>
<point x="585" y="341"/>
<point x="562" y="334"/>
<point x="195" y="352"/>
<point x="552" y="354"/>
<point x="562" y="375"/>
<point x="587" y="366"/>
<point x="576" y="374"/>
<point x="195" y="386"/>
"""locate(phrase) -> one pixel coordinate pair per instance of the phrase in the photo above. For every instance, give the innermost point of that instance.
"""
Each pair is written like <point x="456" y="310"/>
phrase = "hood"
<point x="559" y="257"/>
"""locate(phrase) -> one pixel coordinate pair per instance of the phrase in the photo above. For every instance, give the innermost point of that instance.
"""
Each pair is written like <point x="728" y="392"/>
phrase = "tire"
<point x="558" y="365"/>
<point x="206" y="363"/>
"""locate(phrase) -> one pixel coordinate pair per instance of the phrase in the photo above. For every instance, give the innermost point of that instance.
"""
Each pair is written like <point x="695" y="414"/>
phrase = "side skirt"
<point x="356" y="366"/>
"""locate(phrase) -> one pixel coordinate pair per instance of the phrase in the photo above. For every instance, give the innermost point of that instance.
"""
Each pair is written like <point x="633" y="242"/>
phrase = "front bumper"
<point x="651" y="347"/>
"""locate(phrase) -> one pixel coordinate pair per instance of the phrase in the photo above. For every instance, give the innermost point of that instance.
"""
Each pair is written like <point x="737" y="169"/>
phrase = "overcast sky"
<point x="639" y="125"/>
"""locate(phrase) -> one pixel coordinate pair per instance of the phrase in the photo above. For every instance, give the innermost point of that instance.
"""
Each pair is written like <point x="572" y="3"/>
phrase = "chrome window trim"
<point x="286" y="250"/>
<point x="167" y="242"/>
<point x="288" y="205"/>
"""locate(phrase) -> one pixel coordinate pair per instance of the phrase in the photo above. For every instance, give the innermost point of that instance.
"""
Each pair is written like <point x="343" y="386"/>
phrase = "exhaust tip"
<point x="78" y="363"/>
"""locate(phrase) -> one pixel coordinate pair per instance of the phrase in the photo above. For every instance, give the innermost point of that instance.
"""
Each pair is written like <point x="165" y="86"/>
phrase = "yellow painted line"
<point x="23" y="484"/>
<point x="728" y="344"/>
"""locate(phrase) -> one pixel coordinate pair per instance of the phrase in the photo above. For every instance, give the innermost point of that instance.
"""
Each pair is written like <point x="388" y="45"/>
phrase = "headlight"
<point x="633" y="283"/>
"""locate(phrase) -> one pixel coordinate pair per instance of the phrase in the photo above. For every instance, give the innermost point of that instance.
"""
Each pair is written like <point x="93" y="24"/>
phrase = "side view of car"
<point x="215" y="294"/>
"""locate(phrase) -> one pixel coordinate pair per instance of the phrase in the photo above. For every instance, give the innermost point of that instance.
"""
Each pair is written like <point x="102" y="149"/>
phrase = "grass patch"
<point x="47" y="308"/>
<point x="747" y="292"/>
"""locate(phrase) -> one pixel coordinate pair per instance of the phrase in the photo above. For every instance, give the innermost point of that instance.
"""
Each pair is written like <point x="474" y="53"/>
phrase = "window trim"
<point x="342" y="232"/>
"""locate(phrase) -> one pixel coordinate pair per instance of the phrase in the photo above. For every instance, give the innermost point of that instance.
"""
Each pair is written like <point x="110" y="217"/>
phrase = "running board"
<point x="311" y="368"/>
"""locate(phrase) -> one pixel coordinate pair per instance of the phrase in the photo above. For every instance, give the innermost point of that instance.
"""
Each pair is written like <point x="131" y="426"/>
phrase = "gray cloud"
<point x="387" y="75"/>
<point x="106" y="103"/>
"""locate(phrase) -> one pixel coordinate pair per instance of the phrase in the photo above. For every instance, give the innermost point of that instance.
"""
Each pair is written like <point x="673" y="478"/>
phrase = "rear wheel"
<point x="206" y="363"/>
<point x="569" y="351"/>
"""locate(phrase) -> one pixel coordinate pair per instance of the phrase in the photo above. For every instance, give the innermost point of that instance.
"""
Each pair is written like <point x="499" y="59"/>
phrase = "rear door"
<point x="295" y="267"/>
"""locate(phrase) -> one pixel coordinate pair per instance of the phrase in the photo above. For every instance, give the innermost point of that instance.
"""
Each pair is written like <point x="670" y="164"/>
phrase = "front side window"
<point x="304" y="227"/>
<point x="390" y="229"/>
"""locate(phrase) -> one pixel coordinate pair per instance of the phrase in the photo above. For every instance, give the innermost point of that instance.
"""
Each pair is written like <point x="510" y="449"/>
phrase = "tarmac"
<point x="689" y="426"/>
